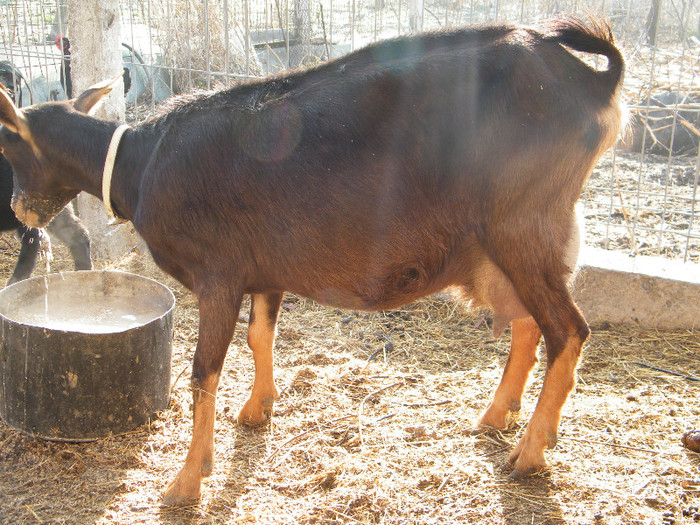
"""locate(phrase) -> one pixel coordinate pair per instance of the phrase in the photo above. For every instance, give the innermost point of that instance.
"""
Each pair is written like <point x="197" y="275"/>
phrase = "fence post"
<point x="653" y="21"/>
<point x="415" y="15"/>
<point x="94" y="31"/>
<point x="59" y="24"/>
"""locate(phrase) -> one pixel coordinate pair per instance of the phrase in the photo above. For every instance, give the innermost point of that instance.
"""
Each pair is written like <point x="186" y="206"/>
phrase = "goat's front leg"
<point x="525" y="337"/>
<point x="261" y="338"/>
<point x="31" y="242"/>
<point x="218" y="312"/>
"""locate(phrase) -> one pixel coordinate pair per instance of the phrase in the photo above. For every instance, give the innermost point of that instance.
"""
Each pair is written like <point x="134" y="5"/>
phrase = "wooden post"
<point x="94" y="30"/>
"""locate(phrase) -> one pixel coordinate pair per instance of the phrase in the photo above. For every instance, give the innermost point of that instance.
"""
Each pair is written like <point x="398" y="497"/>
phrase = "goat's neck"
<point x="132" y="158"/>
<point x="82" y="156"/>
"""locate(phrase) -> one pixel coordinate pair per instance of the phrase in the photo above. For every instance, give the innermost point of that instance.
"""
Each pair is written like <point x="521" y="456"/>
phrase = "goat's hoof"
<point x="524" y="469"/>
<point x="487" y="425"/>
<point x="184" y="490"/>
<point x="179" y="500"/>
<point x="522" y="474"/>
<point x="477" y="430"/>
<point x="506" y="468"/>
<point x="489" y="421"/>
<point x="256" y="413"/>
<point x="519" y="475"/>
<point x="499" y="417"/>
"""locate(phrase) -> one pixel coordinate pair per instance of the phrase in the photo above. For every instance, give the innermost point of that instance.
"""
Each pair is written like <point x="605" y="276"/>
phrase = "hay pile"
<point x="373" y="427"/>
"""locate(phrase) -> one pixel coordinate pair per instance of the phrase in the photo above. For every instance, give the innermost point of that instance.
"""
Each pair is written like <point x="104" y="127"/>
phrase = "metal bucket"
<point x="84" y="354"/>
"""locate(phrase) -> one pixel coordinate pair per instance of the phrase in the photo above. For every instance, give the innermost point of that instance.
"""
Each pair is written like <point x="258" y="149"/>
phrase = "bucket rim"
<point x="168" y="297"/>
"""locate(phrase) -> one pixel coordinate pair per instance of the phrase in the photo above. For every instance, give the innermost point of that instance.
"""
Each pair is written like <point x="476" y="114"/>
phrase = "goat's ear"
<point x="11" y="116"/>
<point x="89" y="98"/>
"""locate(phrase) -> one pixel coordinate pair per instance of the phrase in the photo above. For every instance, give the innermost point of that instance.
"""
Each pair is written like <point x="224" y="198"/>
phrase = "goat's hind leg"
<point x="67" y="228"/>
<point x="264" y="310"/>
<point x="563" y="346"/>
<point x="540" y="278"/>
<point x="565" y="330"/>
<point x="525" y="337"/>
<point x="218" y="311"/>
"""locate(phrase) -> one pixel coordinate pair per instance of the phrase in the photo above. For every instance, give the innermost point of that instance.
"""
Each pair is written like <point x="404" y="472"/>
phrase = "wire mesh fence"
<point x="642" y="197"/>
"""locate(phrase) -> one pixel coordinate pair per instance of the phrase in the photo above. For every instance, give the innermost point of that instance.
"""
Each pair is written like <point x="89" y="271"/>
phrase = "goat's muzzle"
<point x="36" y="212"/>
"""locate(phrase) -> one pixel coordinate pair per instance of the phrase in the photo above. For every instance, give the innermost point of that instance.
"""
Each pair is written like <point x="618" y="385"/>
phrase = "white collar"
<point x="109" y="169"/>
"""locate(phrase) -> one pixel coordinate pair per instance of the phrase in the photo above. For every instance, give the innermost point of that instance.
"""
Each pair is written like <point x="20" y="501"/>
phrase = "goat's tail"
<point x="590" y="36"/>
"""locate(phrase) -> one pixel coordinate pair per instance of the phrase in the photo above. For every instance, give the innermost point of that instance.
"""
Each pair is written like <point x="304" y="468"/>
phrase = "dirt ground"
<point x="372" y="426"/>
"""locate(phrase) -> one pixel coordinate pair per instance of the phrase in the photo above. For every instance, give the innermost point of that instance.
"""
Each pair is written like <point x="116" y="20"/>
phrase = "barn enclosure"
<point x="374" y="420"/>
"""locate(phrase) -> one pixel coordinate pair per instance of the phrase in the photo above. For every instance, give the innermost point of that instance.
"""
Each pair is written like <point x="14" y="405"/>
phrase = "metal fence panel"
<point x="642" y="197"/>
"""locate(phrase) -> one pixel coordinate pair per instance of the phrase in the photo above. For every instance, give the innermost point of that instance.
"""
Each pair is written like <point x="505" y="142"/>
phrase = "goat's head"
<point x="28" y="139"/>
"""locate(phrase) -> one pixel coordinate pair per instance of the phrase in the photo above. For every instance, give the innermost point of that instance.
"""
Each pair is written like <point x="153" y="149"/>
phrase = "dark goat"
<point x="445" y="159"/>
<point x="65" y="227"/>
<point x="11" y="78"/>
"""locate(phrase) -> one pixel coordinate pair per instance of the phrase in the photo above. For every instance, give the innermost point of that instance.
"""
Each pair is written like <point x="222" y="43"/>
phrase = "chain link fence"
<point x="642" y="197"/>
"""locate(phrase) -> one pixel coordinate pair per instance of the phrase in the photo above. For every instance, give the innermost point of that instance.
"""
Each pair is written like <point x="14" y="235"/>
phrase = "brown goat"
<point x="444" y="159"/>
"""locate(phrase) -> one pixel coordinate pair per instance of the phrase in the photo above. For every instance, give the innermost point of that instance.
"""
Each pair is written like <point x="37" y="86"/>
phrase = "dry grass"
<point x="373" y="427"/>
